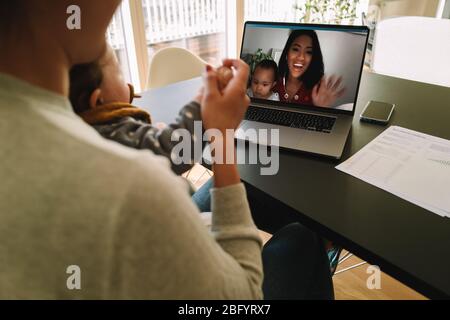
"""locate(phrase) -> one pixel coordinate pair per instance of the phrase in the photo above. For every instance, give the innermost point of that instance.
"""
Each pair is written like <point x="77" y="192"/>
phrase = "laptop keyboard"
<point x="291" y="119"/>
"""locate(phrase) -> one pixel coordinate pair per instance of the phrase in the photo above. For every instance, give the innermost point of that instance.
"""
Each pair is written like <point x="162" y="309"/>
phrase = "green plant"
<point x="252" y="59"/>
<point x="328" y="11"/>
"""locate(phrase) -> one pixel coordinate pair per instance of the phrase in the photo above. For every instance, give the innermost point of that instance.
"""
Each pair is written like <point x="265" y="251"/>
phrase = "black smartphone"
<point x="377" y="112"/>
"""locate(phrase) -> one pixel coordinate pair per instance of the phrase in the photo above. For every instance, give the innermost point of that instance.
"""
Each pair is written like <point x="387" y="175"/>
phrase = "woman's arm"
<point x="162" y="250"/>
<point x="222" y="111"/>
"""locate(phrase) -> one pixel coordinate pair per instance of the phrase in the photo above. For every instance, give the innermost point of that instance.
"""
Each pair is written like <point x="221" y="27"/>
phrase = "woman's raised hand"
<point x="225" y="109"/>
<point x="221" y="110"/>
<point x="327" y="91"/>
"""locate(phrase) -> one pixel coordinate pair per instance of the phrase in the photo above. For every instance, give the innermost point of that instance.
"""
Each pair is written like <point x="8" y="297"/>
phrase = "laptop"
<point x="304" y="82"/>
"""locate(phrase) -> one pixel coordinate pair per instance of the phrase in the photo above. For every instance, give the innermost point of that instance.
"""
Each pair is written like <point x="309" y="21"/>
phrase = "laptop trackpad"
<point x="268" y="134"/>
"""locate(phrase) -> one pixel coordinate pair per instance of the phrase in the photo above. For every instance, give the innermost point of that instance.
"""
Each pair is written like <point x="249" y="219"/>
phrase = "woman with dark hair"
<point x="301" y="72"/>
<point x="69" y="196"/>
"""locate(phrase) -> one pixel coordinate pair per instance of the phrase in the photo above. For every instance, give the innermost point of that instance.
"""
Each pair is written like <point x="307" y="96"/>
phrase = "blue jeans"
<point x="202" y="197"/>
<point x="294" y="260"/>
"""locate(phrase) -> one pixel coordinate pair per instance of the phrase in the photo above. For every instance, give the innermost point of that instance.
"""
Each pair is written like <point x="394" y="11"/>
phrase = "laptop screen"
<point x="302" y="65"/>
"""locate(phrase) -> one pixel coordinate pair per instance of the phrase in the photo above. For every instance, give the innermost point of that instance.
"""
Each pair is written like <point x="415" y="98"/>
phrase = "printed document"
<point x="409" y="164"/>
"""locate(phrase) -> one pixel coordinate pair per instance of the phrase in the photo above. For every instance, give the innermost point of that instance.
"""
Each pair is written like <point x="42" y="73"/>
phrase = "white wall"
<point x="264" y="38"/>
<point x="343" y="53"/>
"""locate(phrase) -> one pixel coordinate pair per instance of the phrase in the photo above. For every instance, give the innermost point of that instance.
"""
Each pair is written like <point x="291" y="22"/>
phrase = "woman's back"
<point x="69" y="197"/>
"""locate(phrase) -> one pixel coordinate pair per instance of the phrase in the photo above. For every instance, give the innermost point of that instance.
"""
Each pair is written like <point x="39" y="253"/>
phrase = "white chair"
<point x="170" y="65"/>
<point x="415" y="48"/>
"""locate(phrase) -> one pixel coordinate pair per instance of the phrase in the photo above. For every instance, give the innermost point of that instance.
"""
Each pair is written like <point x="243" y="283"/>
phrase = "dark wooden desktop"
<point x="404" y="240"/>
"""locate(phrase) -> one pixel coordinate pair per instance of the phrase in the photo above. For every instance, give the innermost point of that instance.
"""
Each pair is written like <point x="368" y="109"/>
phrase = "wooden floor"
<point x="351" y="284"/>
<point x="348" y="285"/>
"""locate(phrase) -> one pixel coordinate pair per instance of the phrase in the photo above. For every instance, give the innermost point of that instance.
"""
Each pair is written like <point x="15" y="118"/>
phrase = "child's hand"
<point x="224" y="76"/>
<point x="160" y="125"/>
<point x="225" y="110"/>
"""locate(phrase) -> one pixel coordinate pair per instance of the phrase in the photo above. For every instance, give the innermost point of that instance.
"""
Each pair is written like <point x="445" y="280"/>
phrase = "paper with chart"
<point x="412" y="165"/>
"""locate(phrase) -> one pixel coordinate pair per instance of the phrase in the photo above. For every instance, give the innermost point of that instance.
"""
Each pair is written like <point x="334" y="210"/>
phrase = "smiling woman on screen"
<point x="301" y="72"/>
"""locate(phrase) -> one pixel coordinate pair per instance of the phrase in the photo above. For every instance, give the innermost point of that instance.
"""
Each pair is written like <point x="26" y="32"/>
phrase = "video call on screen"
<point x="305" y="66"/>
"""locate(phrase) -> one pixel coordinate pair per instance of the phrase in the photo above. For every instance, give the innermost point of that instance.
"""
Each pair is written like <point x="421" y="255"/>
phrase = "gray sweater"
<point x="68" y="197"/>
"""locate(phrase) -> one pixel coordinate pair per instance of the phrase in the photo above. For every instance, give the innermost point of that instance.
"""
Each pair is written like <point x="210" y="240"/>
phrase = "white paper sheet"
<point x="409" y="164"/>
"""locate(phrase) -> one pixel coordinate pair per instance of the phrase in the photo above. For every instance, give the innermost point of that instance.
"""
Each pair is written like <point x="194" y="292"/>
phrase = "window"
<point x="197" y="25"/>
<point x="141" y="27"/>
<point x="115" y="36"/>
<point x="266" y="10"/>
<point x="211" y="29"/>
<point x="308" y="11"/>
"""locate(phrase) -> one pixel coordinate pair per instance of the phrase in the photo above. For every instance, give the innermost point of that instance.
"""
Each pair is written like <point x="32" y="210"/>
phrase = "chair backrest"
<point x="170" y="65"/>
<point x="415" y="48"/>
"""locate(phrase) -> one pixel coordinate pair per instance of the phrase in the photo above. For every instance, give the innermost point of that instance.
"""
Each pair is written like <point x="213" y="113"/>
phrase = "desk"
<point x="404" y="240"/>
